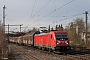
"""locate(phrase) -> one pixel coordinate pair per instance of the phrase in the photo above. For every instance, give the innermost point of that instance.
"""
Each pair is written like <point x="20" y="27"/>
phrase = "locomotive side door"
<point x="50" y="39"/>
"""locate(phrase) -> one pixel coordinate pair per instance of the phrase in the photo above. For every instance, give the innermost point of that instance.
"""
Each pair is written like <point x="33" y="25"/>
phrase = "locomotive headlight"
<point x="62" y="39"/>
<point x="58" y="42"/>
<point x="66" y="42"/>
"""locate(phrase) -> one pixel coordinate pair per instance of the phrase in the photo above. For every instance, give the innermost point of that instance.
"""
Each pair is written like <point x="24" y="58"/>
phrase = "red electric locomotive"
<point x="55" y="40"/>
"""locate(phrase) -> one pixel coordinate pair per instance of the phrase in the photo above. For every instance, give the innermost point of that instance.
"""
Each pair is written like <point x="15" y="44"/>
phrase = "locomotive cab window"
<point x="61" y="36"/>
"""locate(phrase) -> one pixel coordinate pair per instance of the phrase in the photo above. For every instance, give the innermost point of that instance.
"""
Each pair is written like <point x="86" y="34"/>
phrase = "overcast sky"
<point x="37" y="13"/>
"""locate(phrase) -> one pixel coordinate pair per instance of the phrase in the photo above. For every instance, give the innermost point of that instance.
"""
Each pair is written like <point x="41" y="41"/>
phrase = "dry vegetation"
<point x="3" y="43"/>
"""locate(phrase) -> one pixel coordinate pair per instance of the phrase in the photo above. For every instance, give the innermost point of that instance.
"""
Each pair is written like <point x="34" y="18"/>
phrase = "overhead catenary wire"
<point x="73" y="16"/>
<point x="33" y="8"/>
<point x="54" y="11"/>
<point x="25" y="13"/>
<point x="66" y="18"/>
<point x="51" y="14"/>
<point x="77" y="5"/>
<point x="55" y="4"/>
<point x="41" y="9"/>
<point x="71" y="9"/>
<point x="54" y="0"/>
<point x="66" y="11"/>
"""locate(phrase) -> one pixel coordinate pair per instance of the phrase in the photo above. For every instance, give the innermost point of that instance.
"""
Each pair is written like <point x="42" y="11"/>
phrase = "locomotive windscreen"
<point x="61" y="36"/>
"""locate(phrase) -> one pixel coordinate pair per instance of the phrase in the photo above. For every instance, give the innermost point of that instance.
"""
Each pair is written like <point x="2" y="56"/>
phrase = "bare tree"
<point x="3" y="43"/>
<point x="75" y="29"/>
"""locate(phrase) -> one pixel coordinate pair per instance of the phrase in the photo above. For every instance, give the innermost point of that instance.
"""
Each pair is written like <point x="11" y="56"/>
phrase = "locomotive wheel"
<point x="50" y="50"/>
<point x="40" y="48"/>
<point x="43" y="48"/>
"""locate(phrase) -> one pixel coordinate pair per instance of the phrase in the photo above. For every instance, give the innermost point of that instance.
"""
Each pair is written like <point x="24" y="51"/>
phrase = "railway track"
<point x="71" y="55"/>
<point x="29" y="53"/>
